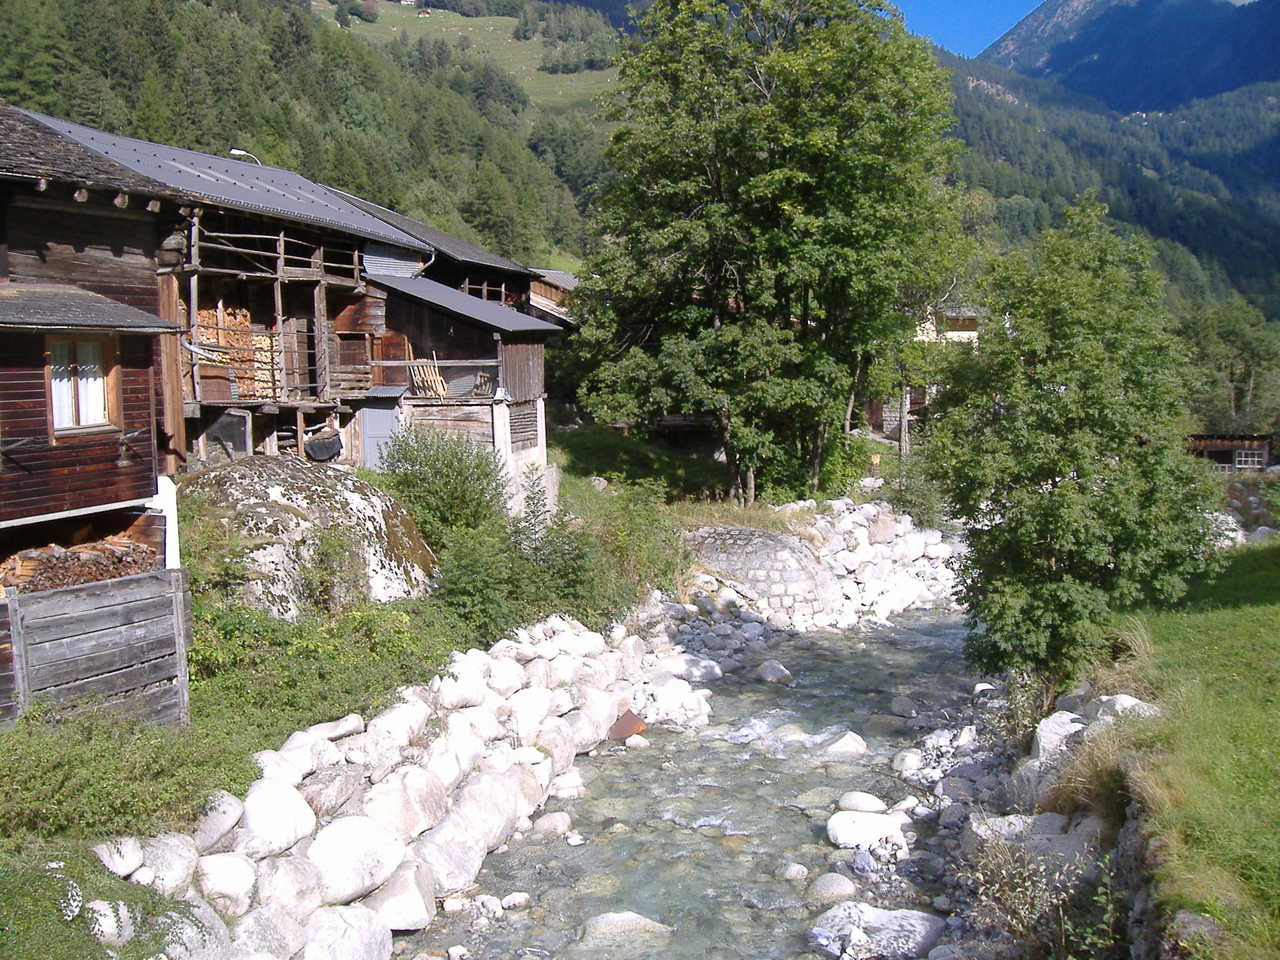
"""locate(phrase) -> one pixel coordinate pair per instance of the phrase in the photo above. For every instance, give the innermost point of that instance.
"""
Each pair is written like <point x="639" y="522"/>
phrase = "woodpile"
<point x="45" y="568"/>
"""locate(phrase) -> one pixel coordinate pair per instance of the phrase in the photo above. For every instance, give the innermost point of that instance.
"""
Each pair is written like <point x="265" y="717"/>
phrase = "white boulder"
<point x="854" y="828"/>
<point x="355" y="855"/>
<point x="346" y="933"/>
<point x="226" y="881"/>
<point x="408" y="802"/>
<point x="121" y="856"/>
<point x="289" y="884"/>
<point x="268" y="930"/>
<point x="172" y="859"/>
<point x="407" y="901"/>
<point x="771" y="671"/>
<point x="222" y="812"/>
<point x="275" y="818"/>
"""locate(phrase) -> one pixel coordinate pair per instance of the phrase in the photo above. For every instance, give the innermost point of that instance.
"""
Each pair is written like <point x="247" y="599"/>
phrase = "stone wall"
<point x="850" y="563"/>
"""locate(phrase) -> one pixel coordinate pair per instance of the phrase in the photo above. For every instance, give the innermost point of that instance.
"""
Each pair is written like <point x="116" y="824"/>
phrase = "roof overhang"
<point x="60" y="307"/>
<point x="484" y="312"/>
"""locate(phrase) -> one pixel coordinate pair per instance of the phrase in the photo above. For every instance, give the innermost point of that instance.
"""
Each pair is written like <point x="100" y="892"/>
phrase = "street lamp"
<point x="237" y="152"/>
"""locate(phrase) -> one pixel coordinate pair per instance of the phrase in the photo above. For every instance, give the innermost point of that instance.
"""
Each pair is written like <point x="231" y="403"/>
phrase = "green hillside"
<point x="487" y="37"/>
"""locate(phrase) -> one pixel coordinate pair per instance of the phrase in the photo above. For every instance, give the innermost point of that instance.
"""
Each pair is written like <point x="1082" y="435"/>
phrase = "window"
<point x="81" y="374"/>
<point x="1249" y="460"/>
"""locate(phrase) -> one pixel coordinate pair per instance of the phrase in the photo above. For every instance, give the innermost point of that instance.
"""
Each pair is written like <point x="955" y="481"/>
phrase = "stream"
<point x="692" y="831"/>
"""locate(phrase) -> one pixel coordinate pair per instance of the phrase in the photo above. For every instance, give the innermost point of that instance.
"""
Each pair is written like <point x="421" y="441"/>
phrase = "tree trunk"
<point x="749" y="487"/>
<point x="815" y="460"/>
<point x="904" y="431"/>
<point x="859" y="391"/>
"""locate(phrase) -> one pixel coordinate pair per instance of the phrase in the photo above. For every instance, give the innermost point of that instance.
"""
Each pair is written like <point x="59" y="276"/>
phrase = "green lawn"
<point x="491" y="36"/>
<point x="1214" y="788"/>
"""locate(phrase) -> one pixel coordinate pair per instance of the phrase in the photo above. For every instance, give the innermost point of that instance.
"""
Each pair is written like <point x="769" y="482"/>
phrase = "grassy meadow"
<point x="490" y="36"/>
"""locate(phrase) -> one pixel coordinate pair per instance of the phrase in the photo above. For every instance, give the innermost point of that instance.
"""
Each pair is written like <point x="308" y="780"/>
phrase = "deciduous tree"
<point x="1060" y="450"/>
<point x="776" y="179"/>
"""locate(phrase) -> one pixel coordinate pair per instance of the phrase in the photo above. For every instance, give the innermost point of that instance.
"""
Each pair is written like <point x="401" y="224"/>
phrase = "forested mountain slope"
<point x="421" y="127"/>
<point x="1145" y="54"/>
<point x="1201" y="181"/>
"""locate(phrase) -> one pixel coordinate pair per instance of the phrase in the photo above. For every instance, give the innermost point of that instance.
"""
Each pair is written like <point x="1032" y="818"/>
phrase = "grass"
<point x="601" y="451"/>
<point x="1212" y="787"/>
<point x="489" y="36"/>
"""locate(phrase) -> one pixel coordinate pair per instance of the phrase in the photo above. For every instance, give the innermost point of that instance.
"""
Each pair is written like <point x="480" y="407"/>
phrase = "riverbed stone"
<point x="111" y="922"/>
<point x="407" y="901"/>
<point x="908" y="760"/>
<point x="454" y="850"/>
<point x="373" y="750"/>
<point x="346" y="726"/>
<point x="883" y="934"/>
<point x="861" y="802"/>
<point x="830" y="888"/>
<point x="903" y="706"/>
<point x="355" y="856"/>
<point x="609" y="931"/>
<point x="222" y="811"/>
<point x="529" y="707"/>
<point x="275" y="818"/>
<point x="226" y="881"/>
<point x="853" y="828"/>
<point x="1052" y="734"/>
<point x="557" y="739"/>
<point x="402" y="722"/>
<point x="552" y="823"/>
<point x="346" y="933"/>
<point x="771" y="671"/>
<point x="848" y="744"/>
<point x="1120" y="705"/>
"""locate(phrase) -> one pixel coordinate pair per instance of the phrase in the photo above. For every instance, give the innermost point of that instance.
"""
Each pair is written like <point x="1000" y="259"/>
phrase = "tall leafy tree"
<point x="776" y="178"/>
<point x="1236" y="353"/>
<point x="1061" y="451"/>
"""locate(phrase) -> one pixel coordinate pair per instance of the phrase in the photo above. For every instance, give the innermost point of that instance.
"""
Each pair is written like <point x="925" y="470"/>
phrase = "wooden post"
<point x="193" y="307"/>
<point x="21" y="681"/>
<point x="181" y="640"/>
<point x="301" y="425"/>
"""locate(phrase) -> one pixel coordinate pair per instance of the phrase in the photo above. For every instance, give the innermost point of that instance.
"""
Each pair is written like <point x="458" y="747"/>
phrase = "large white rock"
<point x="1110" y="708"/>
<point x="692" y="668"/>
<point x="1052" y="733"/>
<point x="529" y="707"/>
<point x="609" y="931"/>
<point x="982" y="830"/>
<point x="290" y="884"/>
<point x="346" y="933"/>
<point x="269" y="930"/>
<point x="467" y="690"/>
<point x="226" y="882"/>
<point x="275" y="818"/>
<point x="172" y="859"/>
<point x="581" y="643"/>
<point x="377" y="752"/>
<point x="121" y="856"/>
<point x="346" y="726"/>
<point x="196" y="933"/>
<point x="855" y="828"/>
<point x="222" y="812"/>
<point x="327" y="790"/>
<point x="883" y="934"/>
<point x="355" y="856"/>
<point x="402" y="722"/>
<point x="454" y="850"/>
<point x="409" y="802"/>
<point x="506" y="677"/>
<point x="830" y="888"/>
<point x="111" y="922"/>
<point x="480" y="722"/>
<point x="492" y="802"/>
<point x="452" y="756"/>
<point x="558" y="740"/>
<point x="407" y="901"/>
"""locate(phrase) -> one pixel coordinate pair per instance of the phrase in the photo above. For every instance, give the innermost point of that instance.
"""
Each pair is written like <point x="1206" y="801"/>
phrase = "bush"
<point x="444" y="481"/>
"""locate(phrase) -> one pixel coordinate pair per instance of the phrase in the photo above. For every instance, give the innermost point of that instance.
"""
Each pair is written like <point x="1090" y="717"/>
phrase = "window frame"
<point x="1248" y="459"/>
<point x="110" y="344"/>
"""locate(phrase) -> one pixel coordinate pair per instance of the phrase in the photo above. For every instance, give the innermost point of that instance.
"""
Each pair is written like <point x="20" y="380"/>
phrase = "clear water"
<point x="691" y="831"/>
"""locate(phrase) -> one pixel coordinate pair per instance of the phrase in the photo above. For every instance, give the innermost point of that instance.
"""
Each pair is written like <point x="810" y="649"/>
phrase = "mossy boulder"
<point x="315" y="523"/>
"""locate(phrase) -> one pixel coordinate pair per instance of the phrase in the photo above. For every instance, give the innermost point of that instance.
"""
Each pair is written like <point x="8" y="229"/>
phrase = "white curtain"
<point x="91" y="389"/>
<point x="64" y="404"/>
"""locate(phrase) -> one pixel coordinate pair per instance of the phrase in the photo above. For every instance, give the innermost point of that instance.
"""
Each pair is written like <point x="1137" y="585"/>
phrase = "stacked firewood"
<point x="44" y="568"/>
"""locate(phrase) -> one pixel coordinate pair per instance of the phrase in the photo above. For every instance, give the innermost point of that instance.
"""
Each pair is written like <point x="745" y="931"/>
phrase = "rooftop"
<point x="485" y="312"/>
<point x="52" y="306"/>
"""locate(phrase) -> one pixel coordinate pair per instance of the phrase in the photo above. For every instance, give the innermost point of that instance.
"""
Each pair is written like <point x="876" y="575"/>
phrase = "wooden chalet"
<point x="549" y="295"/>
<point x="1233" y="452"/>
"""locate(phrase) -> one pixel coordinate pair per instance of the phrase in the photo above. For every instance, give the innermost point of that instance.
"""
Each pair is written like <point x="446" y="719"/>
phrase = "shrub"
<point x="444" y="481"/>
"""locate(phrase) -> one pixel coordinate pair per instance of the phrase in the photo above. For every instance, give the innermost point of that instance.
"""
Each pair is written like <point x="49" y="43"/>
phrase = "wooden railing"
<point x="442" y="379"/>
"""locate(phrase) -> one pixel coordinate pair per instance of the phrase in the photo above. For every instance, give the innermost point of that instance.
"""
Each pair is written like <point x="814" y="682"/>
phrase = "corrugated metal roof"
<point x="233" y="183"/>
<point x="52" y="306"/>
<point x="386" y="393"/>
<point x="450" y="246"/>
<point x="487" y="312"/>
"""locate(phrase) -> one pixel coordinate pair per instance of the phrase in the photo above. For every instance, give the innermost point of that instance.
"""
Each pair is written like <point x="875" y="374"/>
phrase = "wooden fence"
<point x="118" y="642"/>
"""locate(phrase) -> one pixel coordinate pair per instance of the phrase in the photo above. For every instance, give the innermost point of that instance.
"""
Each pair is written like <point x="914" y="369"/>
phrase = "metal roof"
<point x="449" y="245"/>
<point x="52" y="306"/>
<point x="386" y="393"/>
<point x="486" y="312"/>
<point x="233" y="183"/>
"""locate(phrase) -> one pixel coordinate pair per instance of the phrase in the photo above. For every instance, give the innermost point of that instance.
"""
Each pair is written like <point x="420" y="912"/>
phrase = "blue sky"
<point x="966" y="27"/>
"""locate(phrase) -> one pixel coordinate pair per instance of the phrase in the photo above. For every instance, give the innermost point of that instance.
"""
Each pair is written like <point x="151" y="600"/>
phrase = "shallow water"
<point x="691" y="831"/>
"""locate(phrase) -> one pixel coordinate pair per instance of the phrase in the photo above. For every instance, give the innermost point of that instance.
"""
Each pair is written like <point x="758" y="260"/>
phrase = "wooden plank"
<point x="21" y="688"/>
<point x="118" y="681"/>
<point x="141" y="586"/>
<point x="182" y="635"/>
<point x="102" y="662"/>
<point x="95" y="639"/>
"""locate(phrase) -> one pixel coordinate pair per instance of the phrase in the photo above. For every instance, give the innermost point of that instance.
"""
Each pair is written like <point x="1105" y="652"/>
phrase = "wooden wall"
<point x="429" y="330"/>
<point x="469" y="420"/>
<point x="88" y="470"/>
<point x="99" y="248"/>
<point x="119" y="641"/>
<point x="522" y="367"/>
